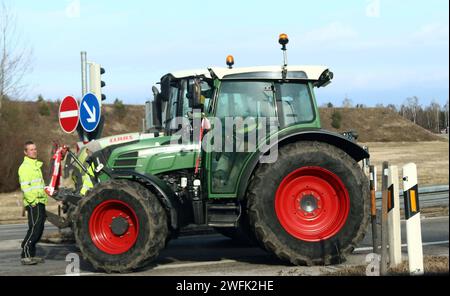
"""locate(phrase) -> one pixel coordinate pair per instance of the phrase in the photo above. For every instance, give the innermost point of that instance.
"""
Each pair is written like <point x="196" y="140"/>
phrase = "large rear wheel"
<point x="311" y="206"/>
<point x="120" y="226"/>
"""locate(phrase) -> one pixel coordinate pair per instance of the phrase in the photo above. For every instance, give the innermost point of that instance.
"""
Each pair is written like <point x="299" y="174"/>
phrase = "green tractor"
<point x="237" y="149"/>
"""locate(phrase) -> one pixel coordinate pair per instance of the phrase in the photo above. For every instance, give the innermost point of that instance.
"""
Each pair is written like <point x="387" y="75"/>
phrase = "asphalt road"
<point x="211" y="254"/>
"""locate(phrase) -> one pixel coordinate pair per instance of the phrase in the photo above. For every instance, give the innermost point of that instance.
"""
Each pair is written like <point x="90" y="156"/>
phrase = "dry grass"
<point x="20" y="121"/>
<point x="377" y="124"/>
<point x="11" y="208"/>
<point x="433" y="265"/>
<point x="431" y="159"/>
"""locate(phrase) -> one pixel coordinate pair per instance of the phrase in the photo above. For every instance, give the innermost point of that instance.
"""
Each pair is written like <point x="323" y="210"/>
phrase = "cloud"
<point x="434" y="33"/>
<point x="335" y="31"/>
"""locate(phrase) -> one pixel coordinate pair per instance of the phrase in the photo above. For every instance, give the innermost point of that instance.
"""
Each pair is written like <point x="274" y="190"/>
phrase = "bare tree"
<point x="413" y="104"/>
<point x="446" y="117"/>
<point x="436" y="109"/>
<point x="15" y="55"/>
<point x="347" y="103"/>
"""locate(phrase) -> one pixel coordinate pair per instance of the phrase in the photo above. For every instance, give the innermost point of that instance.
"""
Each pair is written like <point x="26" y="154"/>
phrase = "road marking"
<point x="80" y="274"/>
<point x="169" y="266"/>
<point x="403" y="246"/>
<point x="193" y="264"/>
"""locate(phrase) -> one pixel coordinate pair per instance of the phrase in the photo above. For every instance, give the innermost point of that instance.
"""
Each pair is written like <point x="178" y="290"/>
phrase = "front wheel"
<point x="311" y="206"/>
<point x="120" y="226"/>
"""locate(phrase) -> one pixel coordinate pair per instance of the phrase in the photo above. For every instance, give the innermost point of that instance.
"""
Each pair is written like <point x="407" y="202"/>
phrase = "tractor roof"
<point x="264" y="72"/>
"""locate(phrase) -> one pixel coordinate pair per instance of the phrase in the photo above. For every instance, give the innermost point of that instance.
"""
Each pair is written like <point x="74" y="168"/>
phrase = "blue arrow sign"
<point x="89" y="112"/>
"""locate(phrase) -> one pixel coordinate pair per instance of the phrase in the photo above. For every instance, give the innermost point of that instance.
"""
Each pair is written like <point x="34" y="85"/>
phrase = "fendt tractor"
<point x="296" y="190"/>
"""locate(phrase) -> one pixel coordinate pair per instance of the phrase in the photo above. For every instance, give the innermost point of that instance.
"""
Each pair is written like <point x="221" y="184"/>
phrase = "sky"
<point x="381" y="51"/>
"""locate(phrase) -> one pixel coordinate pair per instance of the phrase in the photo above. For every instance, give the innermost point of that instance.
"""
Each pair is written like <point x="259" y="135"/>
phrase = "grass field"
<point x="432" y="159"/>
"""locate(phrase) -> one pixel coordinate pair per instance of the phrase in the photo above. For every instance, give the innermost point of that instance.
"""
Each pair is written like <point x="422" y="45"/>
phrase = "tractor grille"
<point x="127" y="160"/>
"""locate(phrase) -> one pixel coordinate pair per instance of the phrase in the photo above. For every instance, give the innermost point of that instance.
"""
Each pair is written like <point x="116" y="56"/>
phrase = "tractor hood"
<point x="99" y="144"/>
<point x="141" y="152"/>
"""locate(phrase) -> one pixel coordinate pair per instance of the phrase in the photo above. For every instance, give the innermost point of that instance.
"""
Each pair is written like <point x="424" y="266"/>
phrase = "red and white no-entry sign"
<point x="68" y="114"/>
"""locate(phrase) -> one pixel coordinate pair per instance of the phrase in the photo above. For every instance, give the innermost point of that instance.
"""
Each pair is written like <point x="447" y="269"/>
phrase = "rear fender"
<point x="357" y="152"/>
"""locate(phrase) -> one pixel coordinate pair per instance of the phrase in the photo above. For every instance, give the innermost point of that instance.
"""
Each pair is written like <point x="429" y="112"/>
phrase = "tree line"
<point x="433" y="117"/>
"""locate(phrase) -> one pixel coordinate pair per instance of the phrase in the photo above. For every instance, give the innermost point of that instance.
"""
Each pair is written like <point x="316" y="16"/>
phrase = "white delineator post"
<point x="394" y="232"/>
<point x="412" y="215"/>
<point x="384" y="222"/>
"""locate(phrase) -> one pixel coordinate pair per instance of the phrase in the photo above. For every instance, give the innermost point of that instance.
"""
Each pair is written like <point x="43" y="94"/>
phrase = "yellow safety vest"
<point x="87" y="182"/>
<point x="32" y="182"/>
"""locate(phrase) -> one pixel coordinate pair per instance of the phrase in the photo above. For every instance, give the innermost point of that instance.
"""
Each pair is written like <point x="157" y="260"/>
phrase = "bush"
<point x="336" y="119"/>
<point x="119" y="108"/>
<point x="43" y="108"/>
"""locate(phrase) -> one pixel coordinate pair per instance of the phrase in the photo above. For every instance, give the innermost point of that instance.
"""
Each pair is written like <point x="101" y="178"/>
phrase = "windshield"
<point x="179" y="103"/>
<point x="294" y="103"/>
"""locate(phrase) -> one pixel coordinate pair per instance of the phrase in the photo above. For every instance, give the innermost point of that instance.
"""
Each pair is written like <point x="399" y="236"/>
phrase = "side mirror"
<point x="195" y="93"/>
<point x="155" y="92"/>
<point x="152" y="118"/>
<point x="165" y="88"/>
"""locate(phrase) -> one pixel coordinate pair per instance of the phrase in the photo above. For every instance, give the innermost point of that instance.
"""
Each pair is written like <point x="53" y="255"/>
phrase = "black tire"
<point x="152" y="219"/>
<point x="264" y="220"/>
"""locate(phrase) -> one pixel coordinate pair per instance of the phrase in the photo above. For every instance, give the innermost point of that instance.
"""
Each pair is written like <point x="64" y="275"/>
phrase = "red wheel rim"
<point x="312" y="204"/>
<point x="114" y="227"/>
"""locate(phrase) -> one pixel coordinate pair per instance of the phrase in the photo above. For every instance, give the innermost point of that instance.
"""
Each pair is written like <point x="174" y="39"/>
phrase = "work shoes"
<point x="32" y="260"/>
<point x="38" y="259"/>
<point x="28" y="261"/>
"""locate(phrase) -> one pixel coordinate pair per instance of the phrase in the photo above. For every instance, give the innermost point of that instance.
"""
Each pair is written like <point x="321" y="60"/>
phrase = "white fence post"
<point x="393" y="208"/>
<point x="384" y="222"/>
<point x="412" y="215"/>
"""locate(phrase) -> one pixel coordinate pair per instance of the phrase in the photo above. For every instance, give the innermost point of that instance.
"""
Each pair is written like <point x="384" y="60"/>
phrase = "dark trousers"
<point x="36" y="220"/>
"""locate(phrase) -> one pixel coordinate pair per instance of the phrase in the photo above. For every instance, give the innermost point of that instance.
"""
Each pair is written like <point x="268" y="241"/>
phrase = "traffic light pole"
<point x="81" y="133"/>
<point x="83" y="74"/>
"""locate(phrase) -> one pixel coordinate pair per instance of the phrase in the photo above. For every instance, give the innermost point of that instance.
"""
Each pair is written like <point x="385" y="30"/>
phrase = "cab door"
<point x="242" y="110"/>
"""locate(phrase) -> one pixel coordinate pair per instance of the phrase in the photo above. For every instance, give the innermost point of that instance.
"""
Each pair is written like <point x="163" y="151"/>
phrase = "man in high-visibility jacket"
<point x="87" y="182"/>
<point x="34" y="200"/>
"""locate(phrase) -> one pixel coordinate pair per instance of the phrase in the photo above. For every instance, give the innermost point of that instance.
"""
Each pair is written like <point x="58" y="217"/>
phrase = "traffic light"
<point x="95" y="81"/>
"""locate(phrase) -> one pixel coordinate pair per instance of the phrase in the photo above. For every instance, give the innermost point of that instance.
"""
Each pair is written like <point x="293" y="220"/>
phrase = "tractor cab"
<point x="181" y="93"/>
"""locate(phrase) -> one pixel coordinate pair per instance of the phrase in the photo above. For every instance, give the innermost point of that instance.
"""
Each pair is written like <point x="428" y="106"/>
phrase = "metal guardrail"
<point x="428" y="196"/>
